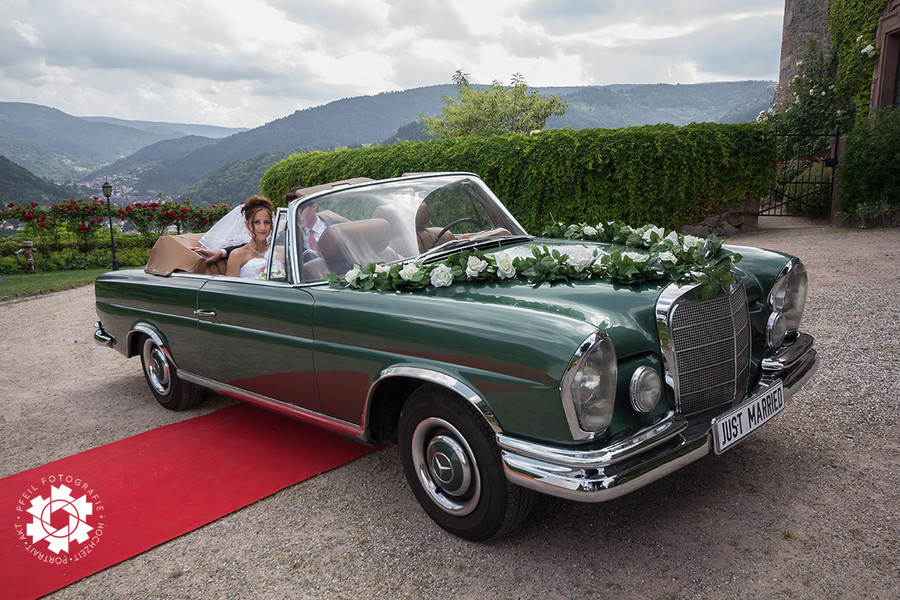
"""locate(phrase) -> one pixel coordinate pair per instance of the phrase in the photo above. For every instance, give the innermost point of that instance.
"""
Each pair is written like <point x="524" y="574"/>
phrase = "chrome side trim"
<point x="317" y="419"/>
<point x="441" y="379"/>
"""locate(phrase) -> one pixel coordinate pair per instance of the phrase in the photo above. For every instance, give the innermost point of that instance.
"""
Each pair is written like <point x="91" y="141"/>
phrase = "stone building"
<point x="806" y="21"/>
<point x="886" y="79"/>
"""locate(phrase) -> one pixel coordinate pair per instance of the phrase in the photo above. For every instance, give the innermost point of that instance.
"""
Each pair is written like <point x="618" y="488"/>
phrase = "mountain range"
<point x="214" y="164"/>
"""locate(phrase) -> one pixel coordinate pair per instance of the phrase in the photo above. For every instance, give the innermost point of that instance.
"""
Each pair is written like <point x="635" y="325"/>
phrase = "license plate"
<point x="735" y="425"/>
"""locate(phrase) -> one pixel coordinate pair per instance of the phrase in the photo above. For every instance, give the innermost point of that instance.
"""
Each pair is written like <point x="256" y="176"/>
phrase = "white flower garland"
<point x="661" y="255"/>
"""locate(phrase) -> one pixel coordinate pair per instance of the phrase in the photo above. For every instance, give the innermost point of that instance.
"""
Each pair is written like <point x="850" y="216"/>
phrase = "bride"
<point x="250" y="224"/>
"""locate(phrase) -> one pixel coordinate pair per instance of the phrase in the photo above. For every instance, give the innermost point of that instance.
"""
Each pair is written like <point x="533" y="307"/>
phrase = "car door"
<point x="257" y="335"/>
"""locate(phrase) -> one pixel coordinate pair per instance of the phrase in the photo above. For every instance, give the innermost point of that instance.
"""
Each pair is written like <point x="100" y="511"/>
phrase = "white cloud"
<point x="247" y="63"/>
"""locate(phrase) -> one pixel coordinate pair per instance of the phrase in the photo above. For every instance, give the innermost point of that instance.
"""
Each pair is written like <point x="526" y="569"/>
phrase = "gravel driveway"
<point x="807" y="508"/>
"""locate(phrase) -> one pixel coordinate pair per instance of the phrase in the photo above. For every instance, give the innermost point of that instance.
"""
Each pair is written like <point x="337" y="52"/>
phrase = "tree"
<point x="493" y="110"/>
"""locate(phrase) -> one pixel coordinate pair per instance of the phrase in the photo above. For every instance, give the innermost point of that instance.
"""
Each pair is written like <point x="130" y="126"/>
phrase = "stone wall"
<point x="803" y="20"/>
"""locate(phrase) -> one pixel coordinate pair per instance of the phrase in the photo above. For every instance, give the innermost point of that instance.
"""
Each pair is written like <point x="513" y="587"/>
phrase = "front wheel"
<point x="167" y="388"/>
<point x="453" y="465"/>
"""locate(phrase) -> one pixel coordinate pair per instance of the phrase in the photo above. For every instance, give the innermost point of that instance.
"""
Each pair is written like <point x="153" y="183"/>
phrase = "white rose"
<point x="408" y="270"/>
<point x="474" y="266"/>
<point x="352" y="274"/>
<point x="672" y="237"/>
<point x="505" y="267"/>
<point x="668" y="257"/>
<point x="636" y="257"/>
<point x="691" y="241"/>
<point x="580" y="259"/>
<point x="588" y="230"/>
<point x="648" y="235"/>
<point x="382" y="269"/>
<point x="441" y="276"/>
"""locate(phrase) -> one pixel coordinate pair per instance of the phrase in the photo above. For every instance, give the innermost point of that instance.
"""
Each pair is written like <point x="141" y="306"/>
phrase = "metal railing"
<point x="805" y="175"/>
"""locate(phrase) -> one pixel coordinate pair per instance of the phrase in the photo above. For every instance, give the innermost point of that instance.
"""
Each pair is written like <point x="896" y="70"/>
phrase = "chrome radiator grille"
<point x="706" y="348"/>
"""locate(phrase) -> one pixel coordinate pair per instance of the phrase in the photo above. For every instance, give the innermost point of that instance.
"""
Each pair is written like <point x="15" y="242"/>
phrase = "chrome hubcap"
<point x="157" y="368"/>
<point x="446" y="467"/>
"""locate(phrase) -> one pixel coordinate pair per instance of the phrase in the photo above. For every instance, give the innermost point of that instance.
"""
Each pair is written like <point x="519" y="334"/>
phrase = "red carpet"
<point x="73" y="517"/>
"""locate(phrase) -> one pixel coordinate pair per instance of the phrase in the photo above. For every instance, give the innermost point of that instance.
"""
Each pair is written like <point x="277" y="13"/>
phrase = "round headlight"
<point x="645" y="388"/>
<point x="776" y="328"/>
<point x="788" y="294"/>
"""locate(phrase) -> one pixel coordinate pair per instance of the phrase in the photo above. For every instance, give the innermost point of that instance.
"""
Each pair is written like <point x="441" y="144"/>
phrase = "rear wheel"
<point x="453" y="465"/>
<point x="163" y="380"/>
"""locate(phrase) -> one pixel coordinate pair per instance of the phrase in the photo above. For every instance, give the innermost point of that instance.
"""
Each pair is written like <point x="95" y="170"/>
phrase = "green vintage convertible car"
<point x="501" y="363"/>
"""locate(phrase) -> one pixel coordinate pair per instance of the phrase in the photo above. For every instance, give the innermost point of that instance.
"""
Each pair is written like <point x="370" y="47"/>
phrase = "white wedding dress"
<point x="255" y="268"/>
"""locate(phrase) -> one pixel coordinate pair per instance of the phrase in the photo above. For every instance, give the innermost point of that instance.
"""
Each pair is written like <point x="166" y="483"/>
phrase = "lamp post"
<point x="107" y="191"/>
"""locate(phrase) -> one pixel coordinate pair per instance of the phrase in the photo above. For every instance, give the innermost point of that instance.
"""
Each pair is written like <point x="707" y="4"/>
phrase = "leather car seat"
<point x="425" y="234"/>
<point x="354" y="242"/>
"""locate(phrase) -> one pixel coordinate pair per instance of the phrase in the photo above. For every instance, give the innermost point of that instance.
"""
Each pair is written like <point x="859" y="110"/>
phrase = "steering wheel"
<point x="448" y="227"/>
<point x="308" y="255"/>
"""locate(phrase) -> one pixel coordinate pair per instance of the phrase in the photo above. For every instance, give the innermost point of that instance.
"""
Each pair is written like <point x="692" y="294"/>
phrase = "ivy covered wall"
<point x="853" y="25"/>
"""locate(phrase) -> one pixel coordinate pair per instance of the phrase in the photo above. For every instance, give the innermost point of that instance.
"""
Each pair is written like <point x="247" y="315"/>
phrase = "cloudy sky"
<point x="248" y="62"/>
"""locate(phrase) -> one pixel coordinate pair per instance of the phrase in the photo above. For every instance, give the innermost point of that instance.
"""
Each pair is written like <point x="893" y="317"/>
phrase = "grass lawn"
<point x="21" y="284"/>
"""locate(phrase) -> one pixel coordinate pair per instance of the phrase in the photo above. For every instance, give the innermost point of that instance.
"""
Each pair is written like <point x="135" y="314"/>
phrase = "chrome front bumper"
<point x="647" y="455"/>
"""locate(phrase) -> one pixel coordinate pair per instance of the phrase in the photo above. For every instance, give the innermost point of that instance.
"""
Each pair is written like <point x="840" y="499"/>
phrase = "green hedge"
<point x="868" y="176"/>
<point x="71" y="259"/>
<point x="662" y="174"/>
<point x="131" y="251"/>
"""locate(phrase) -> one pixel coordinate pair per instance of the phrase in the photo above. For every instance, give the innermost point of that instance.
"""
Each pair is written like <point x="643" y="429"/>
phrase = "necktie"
<point x="312" y="242"/>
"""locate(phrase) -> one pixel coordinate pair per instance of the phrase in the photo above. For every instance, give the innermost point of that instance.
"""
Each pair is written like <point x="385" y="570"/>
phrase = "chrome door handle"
<point x="204" y="312"/>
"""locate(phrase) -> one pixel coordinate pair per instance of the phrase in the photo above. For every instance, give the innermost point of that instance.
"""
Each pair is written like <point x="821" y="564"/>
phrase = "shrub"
<point x="8" y="265"/>
<point x="869" y="184"/>
<point x="662" y="174"/>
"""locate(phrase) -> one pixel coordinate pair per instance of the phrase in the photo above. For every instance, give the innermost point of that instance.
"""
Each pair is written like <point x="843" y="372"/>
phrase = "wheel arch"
<point x="394" y="385"/>
<point x="137" y="332"/>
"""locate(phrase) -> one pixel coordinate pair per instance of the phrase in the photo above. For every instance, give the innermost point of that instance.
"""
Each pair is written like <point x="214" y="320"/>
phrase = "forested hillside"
<point x="20" y="186"/>
<point x="234" y="182"/>
<point x="155" y="154"/>
<point x="172" y="129"/>
<point x="615" y="106"/>
<point x="52" y="144"/>
<point x="351" y="121"/>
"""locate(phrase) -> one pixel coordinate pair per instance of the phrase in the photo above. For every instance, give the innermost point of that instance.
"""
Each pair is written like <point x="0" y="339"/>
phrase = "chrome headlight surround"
<point x="588" y="387"/>
<point x="788" y="295"/>
<point x="776" y="329"/>
<point x="645" y="389"/>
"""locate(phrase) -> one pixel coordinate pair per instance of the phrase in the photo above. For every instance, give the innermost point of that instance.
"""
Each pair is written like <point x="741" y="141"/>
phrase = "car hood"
<point x="625" y="311"/>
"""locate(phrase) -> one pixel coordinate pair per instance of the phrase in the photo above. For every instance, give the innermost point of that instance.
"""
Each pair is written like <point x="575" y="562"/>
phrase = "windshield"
<point x="397" y="220"/>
